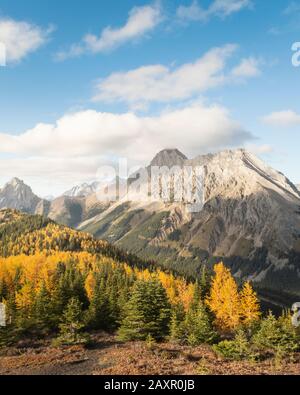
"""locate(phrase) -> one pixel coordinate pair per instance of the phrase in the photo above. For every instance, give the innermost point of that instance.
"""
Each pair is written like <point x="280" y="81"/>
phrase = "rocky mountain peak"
<point x="17" y="195"/>
<point x="15" y="182"/>
<point x="169" y="157"/>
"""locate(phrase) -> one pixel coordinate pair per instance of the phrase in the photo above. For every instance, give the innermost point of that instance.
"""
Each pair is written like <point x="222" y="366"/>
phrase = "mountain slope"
<point x="17" y="195"/>
<point x="21" y="233"/>
<point x="250" y="219"/>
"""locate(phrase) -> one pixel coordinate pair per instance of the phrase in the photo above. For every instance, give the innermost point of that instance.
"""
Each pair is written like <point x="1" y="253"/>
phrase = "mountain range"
<point x="250" y="220"/>
<point x="83" y="190"/>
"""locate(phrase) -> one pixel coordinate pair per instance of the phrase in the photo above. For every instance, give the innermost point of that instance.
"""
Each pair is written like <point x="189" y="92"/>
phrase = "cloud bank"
<point x="159" y="83"/>
<point x="73" y="147"/>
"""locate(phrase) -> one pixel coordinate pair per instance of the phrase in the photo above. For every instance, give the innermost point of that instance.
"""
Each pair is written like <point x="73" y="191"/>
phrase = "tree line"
<point x="55" y="281"/>
<point x="68" y="295"/>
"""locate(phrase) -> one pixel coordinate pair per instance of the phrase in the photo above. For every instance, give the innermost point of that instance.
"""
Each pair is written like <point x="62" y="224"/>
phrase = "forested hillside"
<point x="64" y="285"/>
<point x="29" y="234"/>
<point x="45" y="266"/>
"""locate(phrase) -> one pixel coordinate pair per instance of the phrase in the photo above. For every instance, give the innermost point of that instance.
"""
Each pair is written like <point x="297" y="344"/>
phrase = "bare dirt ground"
<point x="109" y="357"/>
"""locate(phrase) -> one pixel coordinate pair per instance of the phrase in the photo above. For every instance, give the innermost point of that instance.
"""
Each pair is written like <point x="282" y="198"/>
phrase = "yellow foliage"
<point x="39" y="269"/>
<point x="249" y="305"/>
<point x="90" y="285"/>
<point x="223" y="300"/>
<point x="53" y="238"/>
<point x="24" y="298"/>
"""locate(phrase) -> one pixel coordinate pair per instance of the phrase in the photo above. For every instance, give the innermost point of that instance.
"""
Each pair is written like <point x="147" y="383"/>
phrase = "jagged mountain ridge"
<point x="83" y="190"/>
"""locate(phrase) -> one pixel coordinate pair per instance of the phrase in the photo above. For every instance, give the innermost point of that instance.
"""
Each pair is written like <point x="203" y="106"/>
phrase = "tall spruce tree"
<point x="198" y="326"/>
<point x="205" y="281"/>
<point x="147" y="313"/>
<point x="99" y="312"/>
<point x="43" y="309"/>
<point x="177" y="323"/>
<point x="72" y="323"/>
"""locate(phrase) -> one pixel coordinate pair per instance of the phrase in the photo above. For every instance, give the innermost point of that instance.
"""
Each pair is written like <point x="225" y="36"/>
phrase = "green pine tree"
<point x="198" y="326"/>
<point x="99" y="312"/>
<point x="146" y="313"/>
<point x="204" y="282"/>
<point x="72" y="324"/>
<point x="177" y="323"/>
<point x="277" y="335"/>
<point x="43" y="310"/>
<point x="8" y="336"/>
<point x="9" y="333"/>
<point x="237" y="349"/>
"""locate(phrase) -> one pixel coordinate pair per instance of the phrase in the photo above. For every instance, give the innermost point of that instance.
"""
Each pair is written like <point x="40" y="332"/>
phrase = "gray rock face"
<point x="169" y="158"/>
<point x="17" y="195"/>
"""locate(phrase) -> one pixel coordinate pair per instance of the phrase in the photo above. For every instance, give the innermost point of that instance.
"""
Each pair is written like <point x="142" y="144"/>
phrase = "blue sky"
<point x="91" y="80"/>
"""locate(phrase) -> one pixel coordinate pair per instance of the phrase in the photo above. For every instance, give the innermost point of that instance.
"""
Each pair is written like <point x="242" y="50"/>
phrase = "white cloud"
<point x="164" y="84"/>
<point x="141" y="20"/>
<point x="90" y="132"/>
<point x="21" y="38"/>
<point x="247" y="68"/>
<point x="159" y="83"/>
<point x="282" y="119"/>
<point x="73" y="148"/>
<point x="219" y="8"/>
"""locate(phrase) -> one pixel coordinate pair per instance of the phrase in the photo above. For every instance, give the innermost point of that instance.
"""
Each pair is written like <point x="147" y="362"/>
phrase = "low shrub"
<point x="237" y="349"/>
<point x="277" y="336"/>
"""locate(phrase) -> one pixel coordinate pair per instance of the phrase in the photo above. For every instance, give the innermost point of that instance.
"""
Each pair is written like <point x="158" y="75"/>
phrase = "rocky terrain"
<point x="109" y="357"/>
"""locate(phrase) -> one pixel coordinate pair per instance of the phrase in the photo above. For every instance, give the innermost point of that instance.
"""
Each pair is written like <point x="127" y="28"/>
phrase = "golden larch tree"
<point x="249" y="305"/>
<point x="224" y="300"/>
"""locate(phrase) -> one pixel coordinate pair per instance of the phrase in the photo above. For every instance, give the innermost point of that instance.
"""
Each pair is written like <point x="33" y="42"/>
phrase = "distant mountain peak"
<point x="17" y="195"/>
<point x="169" y="157"/>
<point x="15" y="181"/>
<point x="83" y="190"/>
